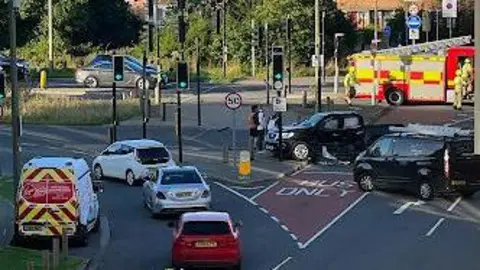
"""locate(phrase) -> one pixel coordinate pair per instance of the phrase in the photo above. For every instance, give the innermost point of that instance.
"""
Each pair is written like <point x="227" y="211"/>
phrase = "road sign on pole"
<point x="449" y="8"/>
<point x="414" y="34"/>
<point x="279" y="104"/>
<point x="233" y="101"/>
<point x="414" y="22"/>
<point x="387" y="31"/>
<point x="413" y="10"/>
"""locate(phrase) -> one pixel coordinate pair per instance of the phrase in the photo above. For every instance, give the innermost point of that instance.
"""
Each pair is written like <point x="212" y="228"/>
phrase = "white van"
<point x="56" y="196"/>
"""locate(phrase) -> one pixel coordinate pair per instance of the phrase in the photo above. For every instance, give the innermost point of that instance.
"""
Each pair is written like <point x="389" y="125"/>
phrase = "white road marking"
<point x="406" y="205"/>
<point x="282" y="263"/>
<point x="275" y="219"/>
<point x="247" y="188"/>
<point x="285" y="228"/>
<point x="430" y="232"/>
<point x="324" y="172"/>
<point x="301" y="170"/>
<point x="236" y="193"/>
<point x="337" y="218"/>
<point x="264" y="210"/>
<point x="294" y="237"/>
<point x="254" y="197"/>
<point x="454" y="204"/>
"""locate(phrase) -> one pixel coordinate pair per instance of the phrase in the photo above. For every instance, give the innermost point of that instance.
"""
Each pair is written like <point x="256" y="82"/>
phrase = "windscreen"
<point x="206" y="228"/>
<point x="312" y="120"/>
<point x="181" y="177"/>
<point x="153" y="155"/>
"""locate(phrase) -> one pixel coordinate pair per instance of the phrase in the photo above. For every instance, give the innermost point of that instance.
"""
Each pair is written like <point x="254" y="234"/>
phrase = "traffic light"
<point x="182" y="75"/>
<point x="118" y="68"/>
<point x="181" y="29"/>
<point x="277" y="55"/>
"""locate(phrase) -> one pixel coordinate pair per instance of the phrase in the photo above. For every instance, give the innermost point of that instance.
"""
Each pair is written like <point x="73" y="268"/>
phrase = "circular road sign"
<point x="414" y="22"/>
<point x="413" y="10"/>
<point x="233" y="100"/>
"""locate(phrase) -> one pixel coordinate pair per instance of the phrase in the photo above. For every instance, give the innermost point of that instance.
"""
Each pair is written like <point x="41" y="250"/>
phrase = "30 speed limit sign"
<point x="233" y="101"/>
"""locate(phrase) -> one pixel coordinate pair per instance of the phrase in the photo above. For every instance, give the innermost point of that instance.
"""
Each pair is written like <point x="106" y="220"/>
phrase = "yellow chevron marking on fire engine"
<point x="432" y="76"/>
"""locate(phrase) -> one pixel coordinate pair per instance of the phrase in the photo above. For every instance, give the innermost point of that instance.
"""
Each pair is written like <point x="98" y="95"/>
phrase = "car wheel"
<point x="130" y="177"/>
<point x="82" y="233"/>
<point x="140" y="83"/>
<point x="365" y="182"/>
<point x="98" y="172"/>
<point x="300" y="151"/>
<point x="425" y="191"/>
<point x="91" y="82"/>
<point x="395" y="97"/>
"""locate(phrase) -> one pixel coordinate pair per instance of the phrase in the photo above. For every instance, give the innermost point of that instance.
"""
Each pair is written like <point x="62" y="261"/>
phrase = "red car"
<point x="206" y="239"/>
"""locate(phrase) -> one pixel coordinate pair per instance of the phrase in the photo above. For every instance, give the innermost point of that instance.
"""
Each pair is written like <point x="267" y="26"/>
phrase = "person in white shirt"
<point x="261" y="129"/>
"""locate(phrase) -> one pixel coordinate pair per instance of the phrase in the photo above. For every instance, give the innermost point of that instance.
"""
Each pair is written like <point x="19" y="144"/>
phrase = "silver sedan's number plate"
<point x="183" y="194"/>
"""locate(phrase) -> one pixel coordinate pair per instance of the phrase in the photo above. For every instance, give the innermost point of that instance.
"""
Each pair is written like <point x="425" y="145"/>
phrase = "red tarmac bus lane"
<point x="308" y="202"/>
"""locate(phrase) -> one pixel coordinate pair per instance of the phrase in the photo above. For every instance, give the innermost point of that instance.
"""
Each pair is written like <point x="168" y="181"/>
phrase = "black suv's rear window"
<point x="206" y="228"/>
<point x="411" y="147"/>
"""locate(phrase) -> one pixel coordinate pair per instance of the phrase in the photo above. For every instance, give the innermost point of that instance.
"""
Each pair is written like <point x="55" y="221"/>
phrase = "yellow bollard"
<point x="244" y="166"/>
<point x="43" y="79"/>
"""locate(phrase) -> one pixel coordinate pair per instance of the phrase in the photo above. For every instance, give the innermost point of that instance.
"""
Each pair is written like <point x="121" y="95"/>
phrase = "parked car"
<point x="425" y="160"/>
<point x="100" y="74"/>
<point x="176" y="189"/>
<point x="332" y="129"/>
<point x="132" y="160"/>
<point x="22" y="65"/>
<point x="135" y="62"/>
<point x="206" y="239"/>
<point x="61" y="189"/>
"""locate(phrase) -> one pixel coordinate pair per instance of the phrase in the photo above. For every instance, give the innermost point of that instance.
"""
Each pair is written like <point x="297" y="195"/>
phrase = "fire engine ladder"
<point x="436" y="47"/>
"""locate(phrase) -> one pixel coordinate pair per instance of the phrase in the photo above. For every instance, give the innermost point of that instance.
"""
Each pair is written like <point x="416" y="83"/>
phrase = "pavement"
<point x="6" y="222"/>
<point x="312" y="218"/>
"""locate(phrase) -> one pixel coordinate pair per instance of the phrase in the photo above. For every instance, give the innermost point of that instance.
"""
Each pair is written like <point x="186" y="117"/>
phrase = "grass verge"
<point x="15" y="258"/>
<point x="6" y="188"/>
<point x="42" y="109"/>
<point x="55" y="73"/>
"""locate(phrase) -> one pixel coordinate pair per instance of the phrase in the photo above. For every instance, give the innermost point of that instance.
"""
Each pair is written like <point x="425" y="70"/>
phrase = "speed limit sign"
<point x="233" y="101"/>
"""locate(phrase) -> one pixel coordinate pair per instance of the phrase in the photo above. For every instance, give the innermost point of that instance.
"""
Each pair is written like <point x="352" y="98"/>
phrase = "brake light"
<point x="161" y="196"/>
<point x="446" y="163"/>
<point x="183" y="242"/>
<point x="205" y="194"/>
<point x="230" y="242"/>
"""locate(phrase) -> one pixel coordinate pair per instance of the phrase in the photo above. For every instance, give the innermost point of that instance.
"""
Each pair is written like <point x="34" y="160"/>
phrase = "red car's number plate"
<point x="206" y="244"/>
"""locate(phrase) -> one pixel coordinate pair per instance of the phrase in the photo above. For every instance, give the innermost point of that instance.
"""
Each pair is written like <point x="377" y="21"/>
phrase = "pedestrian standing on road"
<point x="349" y="84"/>
<point x="253" y="132"/>
<point x="459" y="86"/>
<point x="261" y="129"/>
<point x="467" y="75"/>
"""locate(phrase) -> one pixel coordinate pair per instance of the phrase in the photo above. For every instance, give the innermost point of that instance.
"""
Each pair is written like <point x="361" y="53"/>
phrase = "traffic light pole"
<point x="267" y="64"/>
<point x="280" y="137"/>
<point x="15" y="98"/>
<point x="144" y="96"/>
<point x="179" y="126"/>
<point x="114" y="111"/>
<point x="224" y="43"/>
<point x="199" y="115"/>
<point x="289" y="44"/>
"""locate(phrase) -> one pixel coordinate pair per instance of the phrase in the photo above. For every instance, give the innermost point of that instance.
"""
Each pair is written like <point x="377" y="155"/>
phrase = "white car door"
<point x="121" y="162"/>
<point x="107" y="159"/>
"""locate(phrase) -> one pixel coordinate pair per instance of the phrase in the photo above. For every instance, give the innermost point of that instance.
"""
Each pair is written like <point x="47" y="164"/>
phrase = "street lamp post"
<point x="477" y="78"/>
<point x="335" y="54"/>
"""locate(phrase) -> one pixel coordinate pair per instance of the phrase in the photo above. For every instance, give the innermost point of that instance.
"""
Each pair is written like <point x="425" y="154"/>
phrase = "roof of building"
<point x="206" y="216"/>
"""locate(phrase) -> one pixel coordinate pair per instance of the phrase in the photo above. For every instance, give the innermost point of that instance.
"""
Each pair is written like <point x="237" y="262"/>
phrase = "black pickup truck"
<point x="343" y="133"/>
<point x="426" y="164"/>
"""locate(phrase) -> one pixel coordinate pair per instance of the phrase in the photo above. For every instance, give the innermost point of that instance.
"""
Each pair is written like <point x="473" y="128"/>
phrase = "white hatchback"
<point x="132" y="160"/>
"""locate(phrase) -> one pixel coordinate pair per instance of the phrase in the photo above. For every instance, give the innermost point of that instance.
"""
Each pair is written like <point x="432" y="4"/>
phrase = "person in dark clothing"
<point x="253" y="128"/>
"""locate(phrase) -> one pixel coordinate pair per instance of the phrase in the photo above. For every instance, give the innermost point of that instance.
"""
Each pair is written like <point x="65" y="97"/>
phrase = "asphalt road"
<point x="315" y="219"/>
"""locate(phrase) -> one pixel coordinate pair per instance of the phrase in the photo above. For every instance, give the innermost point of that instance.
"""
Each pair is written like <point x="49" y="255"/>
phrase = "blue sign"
<point x="414" y="22"/>
<point x="387" y="31"/>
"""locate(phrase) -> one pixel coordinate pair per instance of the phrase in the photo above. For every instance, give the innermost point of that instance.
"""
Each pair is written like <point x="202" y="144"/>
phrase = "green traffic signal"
<point x="182" y="75"/>
<point x="183" y="84"/>
<point x="118" y="64"/>
<point x="278" y="76"/>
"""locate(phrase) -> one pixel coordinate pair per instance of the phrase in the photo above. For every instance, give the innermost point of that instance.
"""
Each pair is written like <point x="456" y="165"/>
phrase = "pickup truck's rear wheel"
<point x="425" y="191"/>
<point x="365" y="182"/>
<point x="395" y="97"/>
<point x="300" y="151"/>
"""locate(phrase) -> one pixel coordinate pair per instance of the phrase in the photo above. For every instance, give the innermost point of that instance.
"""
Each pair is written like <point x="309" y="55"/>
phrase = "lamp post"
<point x="335" y="55"/>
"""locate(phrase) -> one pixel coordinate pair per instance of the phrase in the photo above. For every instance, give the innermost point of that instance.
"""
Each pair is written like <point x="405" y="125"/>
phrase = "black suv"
<point x="427" y="164"/>
<point x="335" y="129"/>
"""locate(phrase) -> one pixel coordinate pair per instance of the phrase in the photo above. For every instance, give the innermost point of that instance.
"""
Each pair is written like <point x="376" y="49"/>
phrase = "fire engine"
<point x="414" y="74"/>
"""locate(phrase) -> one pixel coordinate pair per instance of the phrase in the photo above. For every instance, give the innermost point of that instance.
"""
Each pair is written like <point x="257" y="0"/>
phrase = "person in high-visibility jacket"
<point x="459" y="86"/>
<point x="467" y="76"/>
<point x="349" y="84"/>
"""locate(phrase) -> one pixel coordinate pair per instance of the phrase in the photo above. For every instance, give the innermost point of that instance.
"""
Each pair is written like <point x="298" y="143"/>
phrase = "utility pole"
<point x="324" y="13"/>
<point x="477" y="78"/>
<point x="15" y="97"/>
<point x="224" y="43"/>
<point x="144" y="95"/>
<point x="267" y="64"/>
<point x="437" y="23"/>
<point x="50" y="34"/>
<point x="289" y="46"/>
<point x="157" y="18"/>
<point x="318" y="105"/>
<point x="253" y="48"/>
<point x="375" y="64"/>
<point x="199" y="116"/>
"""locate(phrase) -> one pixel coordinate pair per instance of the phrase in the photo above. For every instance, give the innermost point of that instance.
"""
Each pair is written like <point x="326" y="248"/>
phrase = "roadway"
<point x="316" y="218"/>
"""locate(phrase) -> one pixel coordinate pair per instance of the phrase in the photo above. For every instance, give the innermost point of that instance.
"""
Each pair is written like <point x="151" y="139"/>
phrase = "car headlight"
<point x="287" y="135"/>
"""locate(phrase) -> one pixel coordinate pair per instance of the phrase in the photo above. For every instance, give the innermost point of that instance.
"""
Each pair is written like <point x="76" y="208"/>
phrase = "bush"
<point x="41" y="109"/>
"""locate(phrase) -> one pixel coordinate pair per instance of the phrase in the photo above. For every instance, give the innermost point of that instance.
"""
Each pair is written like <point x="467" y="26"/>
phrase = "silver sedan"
<point x="176" y="189"/>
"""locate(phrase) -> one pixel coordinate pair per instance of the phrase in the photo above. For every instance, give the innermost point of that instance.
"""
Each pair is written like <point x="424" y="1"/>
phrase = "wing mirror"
<point x="98" y="186"/>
